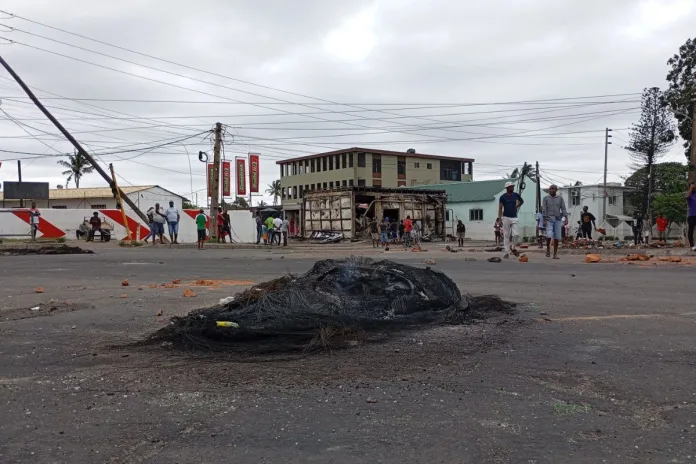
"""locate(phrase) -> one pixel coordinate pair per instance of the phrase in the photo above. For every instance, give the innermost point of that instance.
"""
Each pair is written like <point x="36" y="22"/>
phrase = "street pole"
<point x="120" y="204"/>
<point x="19" y="176"/>
<point x="692" y="158"/>
<point x="215" y="181"/>
<point x="606" y="158"/>
<point x="71" y="139"/>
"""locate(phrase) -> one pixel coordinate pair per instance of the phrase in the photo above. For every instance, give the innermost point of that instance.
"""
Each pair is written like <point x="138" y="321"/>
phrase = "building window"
<point x="300" y="192"/>
<point x="476" y="215"/>
<point x="350" y="182"/>
<point x="325" y="186"/>
<point x="59" y="207"/>
<point x="294" y="192"/>
<point x="338" y="162"/>
<point x="429" y="166"/>
<point x="575" y="197"/>
<point x="318" y="164"/>
<point x="416" y="165"/>
<point x="376" y="182"/>
<point x="331" y="163"/>
<point x="282" y="193"/>
<point x="323" y="164"/>
<point x="350" y="160"/>
<point x="376" y="164"/>
<point x="447" y="216"/>
<point x="344" y="183"/>
<point x="450" y="170"/>
<point x="330" y="185"/>
<point x="98" y="206"/>
<point x="401" y="183"/>
<point x="306" y="189"/>
<point x="311" y="165"/>
<point x="361" y="160"/>
<point x="361" y="182"/>
<point x="613" y="200"/>
<point x="401" y="166"/>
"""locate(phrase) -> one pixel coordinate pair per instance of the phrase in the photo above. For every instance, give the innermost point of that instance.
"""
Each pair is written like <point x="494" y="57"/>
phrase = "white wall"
<point x="591" y="196"/>
<point x="483" y="230"/>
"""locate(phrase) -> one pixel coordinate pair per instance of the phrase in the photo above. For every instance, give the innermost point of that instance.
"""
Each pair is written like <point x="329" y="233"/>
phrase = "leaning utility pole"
<point x="72" y="140"/>
<point x="607" y="136"/>
<point x="538" y="190"/>
<point x="215" y="181"/>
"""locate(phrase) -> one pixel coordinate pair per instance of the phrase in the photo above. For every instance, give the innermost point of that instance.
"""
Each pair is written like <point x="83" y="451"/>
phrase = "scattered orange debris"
<point x="593" y="258"/>
<point x="524" y="259"/>
<point x="123" y="295"/>
<point x="159" y="313"/>
<point x="152" y="286"/>
<point x="524" y="247"/>
<point x="176" y="281"/>
<point x="188" y="293"/>
<point x="168" y="285"/>
<point x="218" y="283"/>
<point x="205" y="283"/>
<point x="38" y="290"/>
<point x="602" y="231"/>
<point x="124" y="283"/>
<point x="671" y="259"/>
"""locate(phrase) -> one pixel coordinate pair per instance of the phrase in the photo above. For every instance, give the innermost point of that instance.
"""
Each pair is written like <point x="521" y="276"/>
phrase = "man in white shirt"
<point x="277" y="224"/>
<point x="172" y="214"/>
<point x="285" y="229"/>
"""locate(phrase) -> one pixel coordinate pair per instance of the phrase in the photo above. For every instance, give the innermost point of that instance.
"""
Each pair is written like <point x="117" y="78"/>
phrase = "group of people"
<point x="88" y="229"/>
<point x="272" y="229"/>
<point x="157" y="217"/>
<point x="386" y="231"/>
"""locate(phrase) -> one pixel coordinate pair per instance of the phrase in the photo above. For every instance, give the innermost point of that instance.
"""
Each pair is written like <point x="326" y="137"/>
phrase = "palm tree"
<point x="274" y="190"/>
<point x="262" y="204"/>
<point x="77" y="166"/>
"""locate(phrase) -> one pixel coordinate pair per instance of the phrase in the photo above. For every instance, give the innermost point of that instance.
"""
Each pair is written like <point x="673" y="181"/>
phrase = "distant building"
<point x="591" y="196"/>
<point x="476" y="204"/>
<point x="143" y="196"/>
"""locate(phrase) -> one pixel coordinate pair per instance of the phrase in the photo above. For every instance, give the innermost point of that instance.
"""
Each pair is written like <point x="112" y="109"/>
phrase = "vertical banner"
<point x="209" y="176"/>
<point x="254" y="172"/>
<point x="240" y="164"/>
<point x="226" y="179"/>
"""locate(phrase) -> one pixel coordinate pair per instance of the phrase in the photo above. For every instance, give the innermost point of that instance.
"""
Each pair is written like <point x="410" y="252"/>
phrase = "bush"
<point x="61" y="240"/>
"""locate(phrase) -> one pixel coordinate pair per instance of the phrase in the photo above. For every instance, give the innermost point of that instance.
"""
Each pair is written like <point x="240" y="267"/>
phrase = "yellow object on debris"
<point x="227" y="324"/>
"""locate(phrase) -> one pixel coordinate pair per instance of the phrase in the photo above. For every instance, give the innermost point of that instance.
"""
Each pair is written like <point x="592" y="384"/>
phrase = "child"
<point x="498" y="229"/>
<point x="200" y="226"/>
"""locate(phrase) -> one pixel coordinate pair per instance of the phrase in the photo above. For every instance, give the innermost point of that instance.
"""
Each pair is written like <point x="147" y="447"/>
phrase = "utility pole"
<point x="19" y="175"/>
<point x="538" y="189"/>
<point x="120" y="205"/>
<point x="692" y="159"/>
<point x="215" y="181"/>
<point x="607" y="136"/>
<point x="72" y="140"/>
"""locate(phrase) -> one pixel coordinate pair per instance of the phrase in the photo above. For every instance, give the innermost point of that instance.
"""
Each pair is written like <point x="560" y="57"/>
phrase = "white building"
<point x="592" y="196"/>
<point x="143" y="196"/>
<point x="476" y="204"/>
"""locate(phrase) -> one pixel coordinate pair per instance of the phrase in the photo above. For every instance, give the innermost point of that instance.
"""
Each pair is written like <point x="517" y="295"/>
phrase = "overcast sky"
<point x="437" y="76"/>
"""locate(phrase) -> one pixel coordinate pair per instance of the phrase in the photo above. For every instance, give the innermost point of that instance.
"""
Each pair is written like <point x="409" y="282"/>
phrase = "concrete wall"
<point x="483" y="230"/>
<point x="57" y="223"/>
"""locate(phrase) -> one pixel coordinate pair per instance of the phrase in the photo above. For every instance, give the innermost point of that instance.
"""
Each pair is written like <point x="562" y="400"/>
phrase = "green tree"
<point x="238" y="203"/>
<point x="682" y="89"/>
<point x="671" y="206"/>
<point x="77" y="166"/>
<point x="526" y="169"/>
<point x="650" y="138"/>
<point x="668" y="178"/>
<point x="274" y="190"/>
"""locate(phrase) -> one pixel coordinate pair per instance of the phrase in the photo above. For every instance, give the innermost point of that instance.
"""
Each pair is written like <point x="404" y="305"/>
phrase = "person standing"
<point x="220" y="225"/>
<point x="173" y="218"/>
<point x="259" y="228"/>
<point x="461" y="232"/>
<point x="555" y="214"/>
<point x="587" y="223"/>
<point x="285" y="230"/>
<point x="661" y="223"/>
<point x="34" y="219"/>
<point x="408" y="228"/>
<point x="509" y="204"/>
<point x="383" y="232"/>
<point x="637" y="229"/>
<point x="402" y="228"/>
<point x="498" y="230"/>
<point x="269" y="229"/>
<point x="227" y="225"/>
<point x="95" y="223"/>
<point x="200" y="228"/>
<point x="691" y="214"/>
<point x="150" y="219"/>
<point x="374" y="232"/>
<point x="647" y="229"/>
<point x="393" y="231"/>
<point x="277" y="225"/>
<point x="158" y="220"/>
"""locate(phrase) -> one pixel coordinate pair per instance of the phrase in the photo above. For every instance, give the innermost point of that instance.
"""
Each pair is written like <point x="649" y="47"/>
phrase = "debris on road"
<point x="124" y="283"/>
<point x="123" y="295"/>
<point x="430" y="261"/>
<point x="38" y="290"/>
<point x="592" y="258"/>
<point x="671" y="259"/>
<point x="495" y="259"/>
<point x="524" y="259"/>
<point x="176" y="281"/>
<point x="49" y="250"/>
<point x="188" y="293"/>
<point x="334" y="305"/>
<point x="159" y="313"/>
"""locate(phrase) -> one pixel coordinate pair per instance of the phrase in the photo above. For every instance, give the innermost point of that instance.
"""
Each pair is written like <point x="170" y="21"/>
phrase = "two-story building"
<point x="592" y="196"/>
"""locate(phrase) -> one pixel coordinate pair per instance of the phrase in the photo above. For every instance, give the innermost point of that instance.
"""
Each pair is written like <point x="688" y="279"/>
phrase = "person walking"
<point x="691" y="214"/>
<point x="408" y="228"/>
<point x="509" y="204"/>
<point x="661" y="223"/>
<point x="158" y="220"/>
<point x="200" y="228"/>
<point x="587" y="223"/>
<point x="34" y="219"/>
<point x="498" y="230"/>
<point x="555" y="215"/>
<point x="259" y="228"/>
<point x="173" y="218"/>
<point x="461" y="232"/>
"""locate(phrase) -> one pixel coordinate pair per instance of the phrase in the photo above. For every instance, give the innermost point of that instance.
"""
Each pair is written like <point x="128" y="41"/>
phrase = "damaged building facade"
<point x="346" y="212"/>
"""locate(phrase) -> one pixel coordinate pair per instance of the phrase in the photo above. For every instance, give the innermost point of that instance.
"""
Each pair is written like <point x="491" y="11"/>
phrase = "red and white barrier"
<point x="57" y="223"/>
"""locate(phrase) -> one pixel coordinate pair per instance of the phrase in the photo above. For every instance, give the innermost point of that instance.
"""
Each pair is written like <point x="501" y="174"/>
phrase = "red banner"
<point x="240" y="163"/>
<point x="209" y="177"/>
<point x="254" y="173"/>
<point x="226" y="179"/>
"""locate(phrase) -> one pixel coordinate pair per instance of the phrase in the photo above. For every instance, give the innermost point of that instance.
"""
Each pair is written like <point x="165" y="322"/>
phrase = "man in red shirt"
<point x="661" y="222"/>
<point x="408" y="226"/>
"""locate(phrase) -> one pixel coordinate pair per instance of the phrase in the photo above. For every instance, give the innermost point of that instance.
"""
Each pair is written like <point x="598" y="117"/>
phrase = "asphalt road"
<point x="596" y="366"/>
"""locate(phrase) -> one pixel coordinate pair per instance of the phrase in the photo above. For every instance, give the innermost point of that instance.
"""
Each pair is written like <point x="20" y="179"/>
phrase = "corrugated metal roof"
<point x="89" y="192"/>
<point x="460" y="192"/>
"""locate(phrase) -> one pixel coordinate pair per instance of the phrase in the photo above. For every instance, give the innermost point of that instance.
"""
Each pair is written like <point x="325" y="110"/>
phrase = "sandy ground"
<point x="596" y="366"/>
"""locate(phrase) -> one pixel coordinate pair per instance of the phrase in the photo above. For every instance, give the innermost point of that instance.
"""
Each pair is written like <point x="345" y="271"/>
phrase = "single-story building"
<point x="348" y="210"/>
<point x="143" y="196"/>
<point x="476" y="204"/>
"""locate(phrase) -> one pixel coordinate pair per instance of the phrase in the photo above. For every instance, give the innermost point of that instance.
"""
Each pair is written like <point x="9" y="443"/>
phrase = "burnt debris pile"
<point x="48" y="250"/>
<point x="337" y="303"/>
